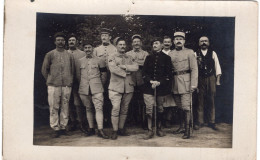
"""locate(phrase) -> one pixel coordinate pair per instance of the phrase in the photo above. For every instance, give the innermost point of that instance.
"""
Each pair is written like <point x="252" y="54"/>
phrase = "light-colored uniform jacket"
<point x="121" y="80"/>
<point x="139" y="58"/>
<point x="90" y="75"/>
<point x="184" y="60"/>
<point x="103" y="52"/>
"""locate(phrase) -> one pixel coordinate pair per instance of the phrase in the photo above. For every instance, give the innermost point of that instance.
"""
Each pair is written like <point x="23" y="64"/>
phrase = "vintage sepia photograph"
<point x="130" y="80"/>
<point x="133" y="80"/>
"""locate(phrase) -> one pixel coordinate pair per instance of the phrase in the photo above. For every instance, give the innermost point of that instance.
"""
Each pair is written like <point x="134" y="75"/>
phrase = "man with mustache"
<point x="58" y="71"/>
<point x="103" y="51"/>
<point x="169" y="102"/>
<point x="139" y="56"/>
<point x="77" y="104"/>
<point x="209" y="77"/>
<point x="157" y="74"/>
<point x="91" y="73"/>
<point x="185" y="80"/>
<point x="121" y="86"/>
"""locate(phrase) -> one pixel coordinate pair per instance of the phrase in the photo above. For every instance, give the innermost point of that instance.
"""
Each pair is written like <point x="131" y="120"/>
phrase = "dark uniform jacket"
<point x="157" y="67"/>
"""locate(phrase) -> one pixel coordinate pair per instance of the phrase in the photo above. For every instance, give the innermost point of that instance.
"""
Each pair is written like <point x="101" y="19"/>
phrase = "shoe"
<point x="160" y="133"/>
<point x="114" y="135"/>
<point x="84" y="129"/>
<point x="179" y="131"/>
<point x="197" y="126"/>
<point x="91" y="131"/>
<point x="102" y="134"/>
<point x="149" y="135"/>
<point x="64" y="132"/>
<point x="186" y="136"/>
<point x="56" y="134"/>
<point x="122" y="132"/>
<point x="213" y="126"/>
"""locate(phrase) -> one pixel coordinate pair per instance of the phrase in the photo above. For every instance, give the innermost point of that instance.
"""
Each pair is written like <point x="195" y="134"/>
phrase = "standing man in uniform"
<point x="103" y="51"/>
<point x="139" y="56"/>
<point x="185" y="80"/>
<point x="157" y="74"/>
<point x="209" y="77"/>
<point x="77" y="54"/>
<point x="169" y="102"/>
<point x="121" y="87"/>
<point x="91" y="73"/>
<point x="58" y="70"/>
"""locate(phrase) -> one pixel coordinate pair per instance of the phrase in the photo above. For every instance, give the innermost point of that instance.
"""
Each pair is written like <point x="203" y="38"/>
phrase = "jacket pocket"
<point x="187" y="82"/>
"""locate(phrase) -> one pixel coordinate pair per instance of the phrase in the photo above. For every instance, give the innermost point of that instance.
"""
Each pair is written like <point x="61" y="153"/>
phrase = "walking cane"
<point x="191" y="114"/>
<point x="155" y="105"/>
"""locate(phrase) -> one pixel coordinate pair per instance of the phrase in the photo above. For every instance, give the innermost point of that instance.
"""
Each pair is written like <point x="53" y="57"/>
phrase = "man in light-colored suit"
<point x="137" y="110"/>
<point x="91" y="73"/>
<point x="103" y="51"/>
<point x="121" y="87"/>
<point x="185" y="80"/>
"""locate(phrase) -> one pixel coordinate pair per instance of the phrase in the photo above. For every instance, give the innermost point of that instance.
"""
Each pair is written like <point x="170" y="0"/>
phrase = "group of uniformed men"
<point x="109" y="73"/>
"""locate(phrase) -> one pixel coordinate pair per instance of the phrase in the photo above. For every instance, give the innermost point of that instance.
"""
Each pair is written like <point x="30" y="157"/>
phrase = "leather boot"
<point x="56" y="134"/>
<point x="114" y="135"/>
<point x="159" y="131"/>
<point x="91" y="131"/>
<point x="181" y="129"/>
<point x="64" y="132"/>
<point x="83" y="128"/>
<point x="122" y="132"/>
<point x="187" y="125"/>
<point x="213" y="126"/>
<point x="102" y="134"/>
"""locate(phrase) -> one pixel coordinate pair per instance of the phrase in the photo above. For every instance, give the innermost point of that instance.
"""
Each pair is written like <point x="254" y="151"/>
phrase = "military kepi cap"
<point x="59" y="34"/>
<point x="136" y="36"/>
<point x="72" y="35"/>
<point x="179" y="34"/>
<point x="157" y="39"/>
<point x="105" y="31"/>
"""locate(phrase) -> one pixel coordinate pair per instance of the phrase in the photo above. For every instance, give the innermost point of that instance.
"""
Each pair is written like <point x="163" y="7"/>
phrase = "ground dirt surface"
<point x="203" y="138"/>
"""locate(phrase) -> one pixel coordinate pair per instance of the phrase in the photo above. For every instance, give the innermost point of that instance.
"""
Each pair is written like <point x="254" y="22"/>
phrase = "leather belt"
<point x="181" y="72"/>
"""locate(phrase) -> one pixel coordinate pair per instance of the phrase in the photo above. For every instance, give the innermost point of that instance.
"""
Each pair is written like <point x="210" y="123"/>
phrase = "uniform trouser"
<point x="77" y="104"/>
<point x="120" y="102"/>
<point x="183" y="101"/>
<point x="206" y="96"/>
<point x="149" y="102"/>
<point x="58" y="98"/>
<point x="98" y="101"/>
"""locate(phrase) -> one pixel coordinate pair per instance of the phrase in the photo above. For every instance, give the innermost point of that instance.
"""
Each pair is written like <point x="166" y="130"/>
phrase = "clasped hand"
<point x="155" y="84"/>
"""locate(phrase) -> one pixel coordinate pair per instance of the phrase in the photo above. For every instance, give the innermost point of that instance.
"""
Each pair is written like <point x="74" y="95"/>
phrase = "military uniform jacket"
<point x="184" y="60"/>
<point x="77" y="54"/>
<point x="103" y="51"/>
<point x="139" y="57"/>
<point x="157" y="67"/>
<point x="91" y="75"/>
<point x="121" y="80"/>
